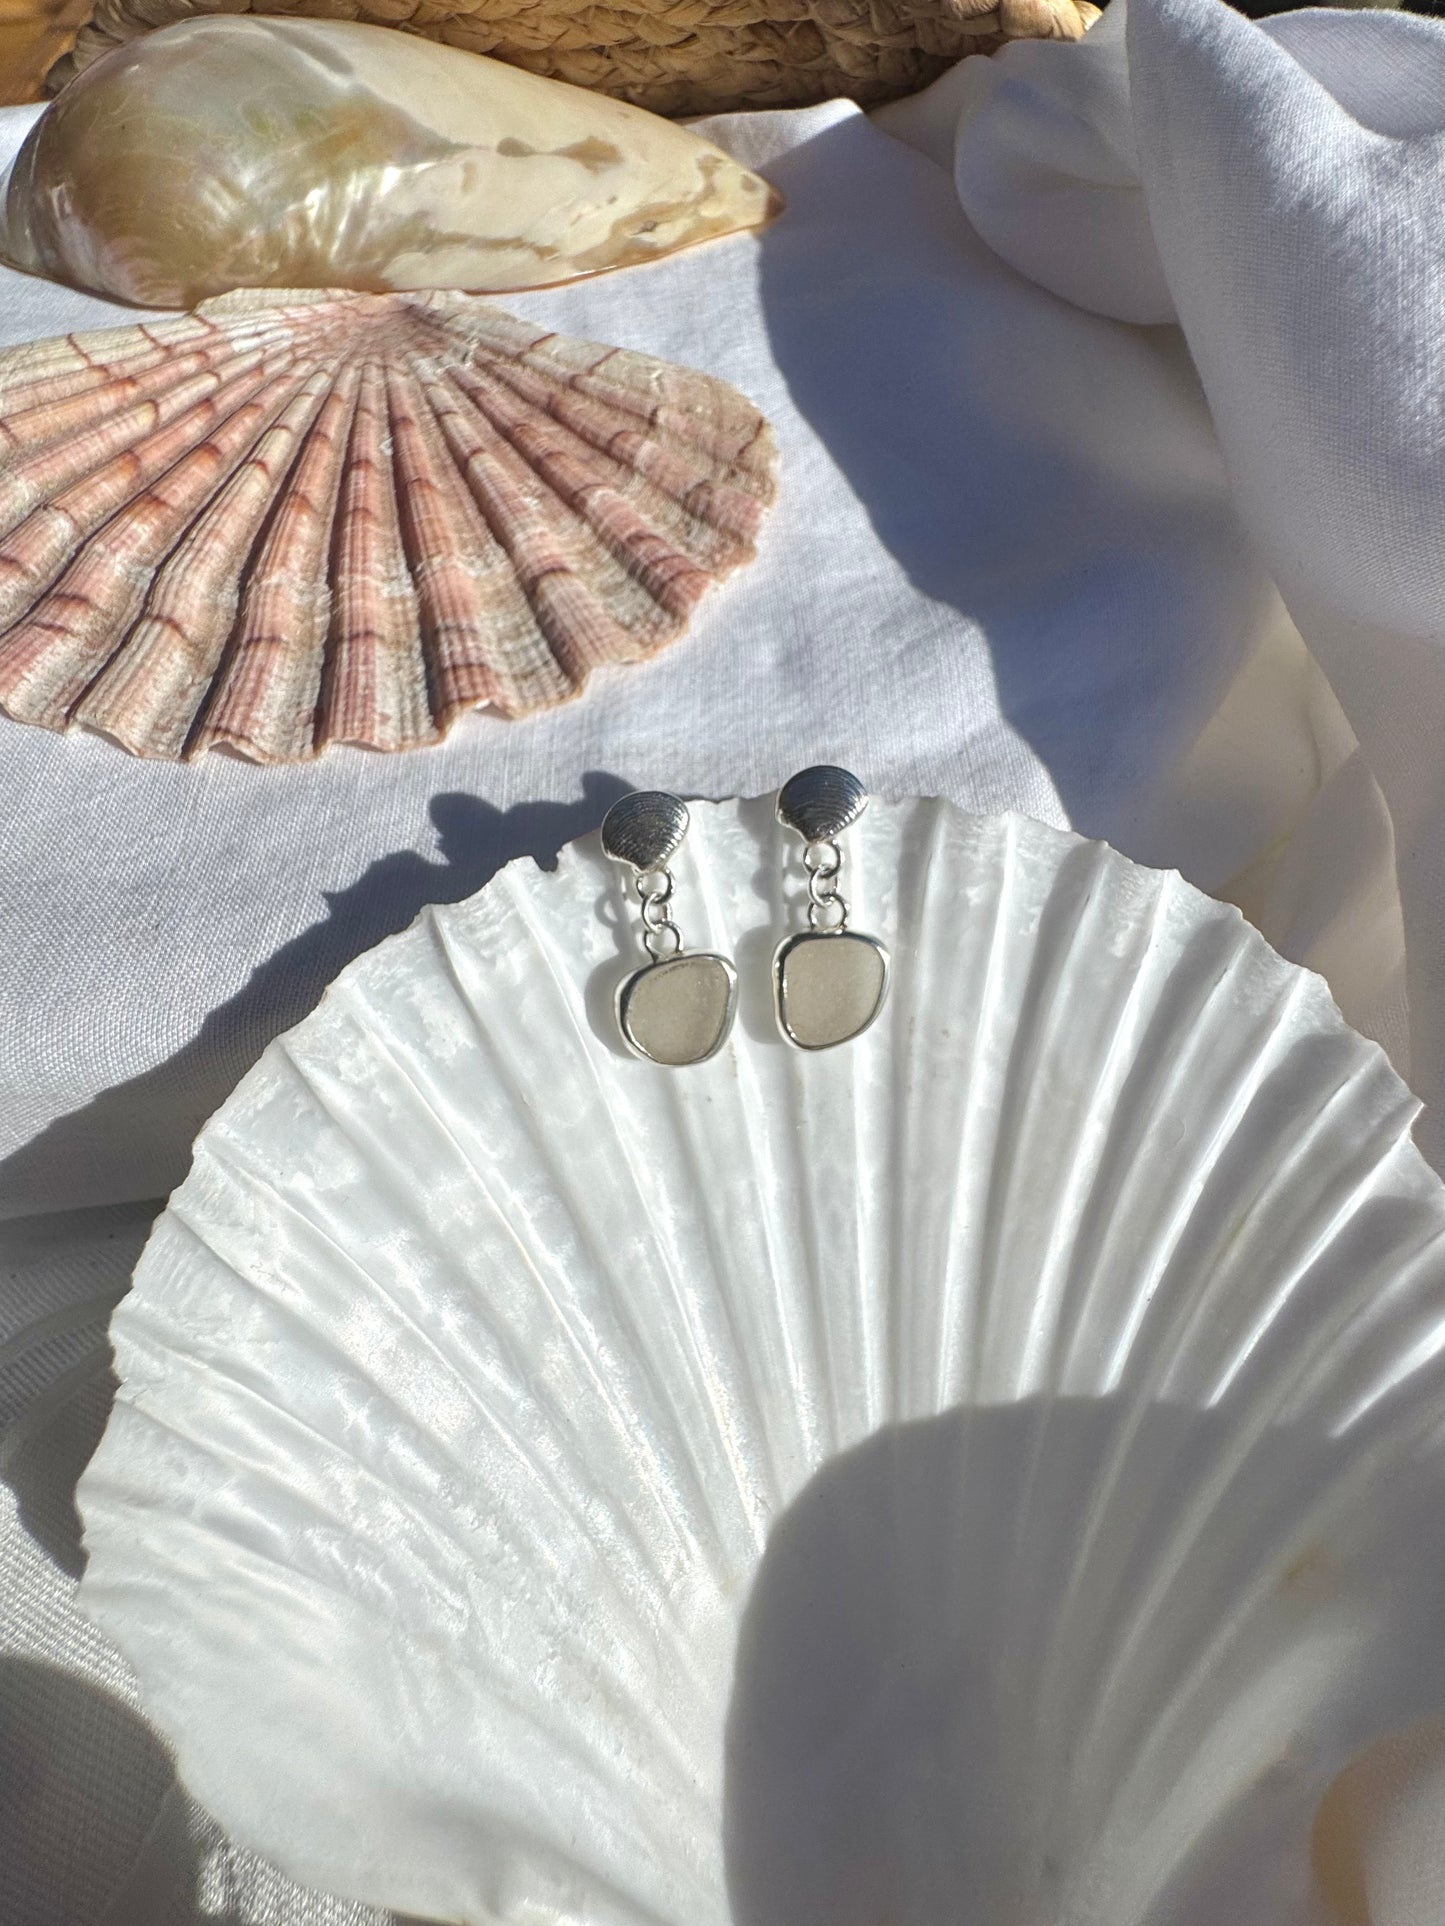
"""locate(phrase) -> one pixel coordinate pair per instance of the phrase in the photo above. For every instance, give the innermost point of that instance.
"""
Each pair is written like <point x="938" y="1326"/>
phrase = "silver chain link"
<point x="660" y="935"/>
<point x="827" y="908"/>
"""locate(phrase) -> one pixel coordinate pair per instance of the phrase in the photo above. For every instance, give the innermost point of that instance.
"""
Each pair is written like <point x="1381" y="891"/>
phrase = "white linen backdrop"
<point x="1180" y="586"/>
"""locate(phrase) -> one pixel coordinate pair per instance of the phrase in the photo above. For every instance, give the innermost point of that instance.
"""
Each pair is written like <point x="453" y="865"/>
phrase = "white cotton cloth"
<point x="1275" y="189"/>
<point x="1109" y="383"/>
<point x="1005" y="567"/>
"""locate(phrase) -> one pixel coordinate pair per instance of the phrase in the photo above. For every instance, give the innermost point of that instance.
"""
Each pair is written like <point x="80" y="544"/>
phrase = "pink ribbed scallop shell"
<point x="283" y="521"/>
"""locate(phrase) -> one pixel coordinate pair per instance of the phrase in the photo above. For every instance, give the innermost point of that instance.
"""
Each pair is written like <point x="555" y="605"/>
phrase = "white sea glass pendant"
<point x="678" y="1011"/>
<point x="828" y="985"/>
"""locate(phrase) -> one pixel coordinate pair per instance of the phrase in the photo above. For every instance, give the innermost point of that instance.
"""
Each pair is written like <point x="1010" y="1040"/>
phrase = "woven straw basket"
<point x="673" y="56"/>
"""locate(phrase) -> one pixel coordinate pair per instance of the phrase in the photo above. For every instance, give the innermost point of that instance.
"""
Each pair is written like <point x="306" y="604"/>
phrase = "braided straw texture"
<point x="672" y="56"/>
<point x="33" y="34"/>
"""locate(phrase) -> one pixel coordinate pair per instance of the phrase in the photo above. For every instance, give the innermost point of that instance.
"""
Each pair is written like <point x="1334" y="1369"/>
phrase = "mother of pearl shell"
<point x="231" y="152"/>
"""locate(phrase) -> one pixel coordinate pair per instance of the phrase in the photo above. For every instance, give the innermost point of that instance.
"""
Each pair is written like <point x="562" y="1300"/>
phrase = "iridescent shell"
<point x="989" y="1473"/>
<point x="240" y="153"/>
<point x="269" y="526"/>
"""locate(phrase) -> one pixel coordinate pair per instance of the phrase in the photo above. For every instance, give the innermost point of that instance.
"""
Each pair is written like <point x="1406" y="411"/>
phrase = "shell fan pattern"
<point x="990" y="1473"/>
<point x="285" y="521"/>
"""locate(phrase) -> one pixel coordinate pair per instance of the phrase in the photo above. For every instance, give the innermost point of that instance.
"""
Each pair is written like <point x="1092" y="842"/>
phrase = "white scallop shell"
<point x="989" y="1472"/>
<point x="284" y="521"/>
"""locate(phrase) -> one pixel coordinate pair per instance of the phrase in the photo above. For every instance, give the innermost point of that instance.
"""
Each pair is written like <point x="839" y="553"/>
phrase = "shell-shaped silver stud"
<point x="822" y="802"/>
<point x="645" y="830"/>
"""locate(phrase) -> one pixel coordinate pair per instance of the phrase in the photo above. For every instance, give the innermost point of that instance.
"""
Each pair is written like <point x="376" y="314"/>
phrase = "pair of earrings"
<point x="829" y="982"/>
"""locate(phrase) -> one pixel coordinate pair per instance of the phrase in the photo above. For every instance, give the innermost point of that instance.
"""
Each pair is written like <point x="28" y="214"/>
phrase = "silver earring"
<point x="829" y="982"/>
<point x="678" y="1008"/>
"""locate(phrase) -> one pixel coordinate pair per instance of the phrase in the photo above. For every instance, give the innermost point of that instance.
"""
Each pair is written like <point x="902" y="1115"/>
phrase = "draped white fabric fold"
<point x="1277" y="190"/>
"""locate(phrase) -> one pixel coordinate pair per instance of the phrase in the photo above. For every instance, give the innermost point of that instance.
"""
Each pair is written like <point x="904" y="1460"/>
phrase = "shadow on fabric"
<point x="92" y="1822"/>
<point x="95" y="1826"/>
<point x="1080" y="523"/>
<point x="474" y="841"/>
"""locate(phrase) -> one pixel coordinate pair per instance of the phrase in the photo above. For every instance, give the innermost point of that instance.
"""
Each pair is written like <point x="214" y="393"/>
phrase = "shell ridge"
<point x="1207" y="1494"/>
<point x="671" y="578"/>
<point x="39" y="378"/>
<point x="1093" y="1518"/>
<point x="670" y="1269"/>
<point x="718" y="422"/>
<point x="589" y="600"/>
<point x="286" y="597"/>
<point x="1188" y="1539"/>
<point x="440" y="1525"/>
<point x="45" y="366"/>
<point x="1370" y="1159"/>
<point x="1154" y="1266"/>
<point x="594" y="422"/>
<point x="1153" y="1088"/>
<point x="1071" y="1244"/>
<point x="642" y="473"/>
<point x="34" y="553"/>
<point x="1011" y="1352"/>
<point x="987" y="1153"/>
<point x="532" y="1464"/>
<point x="1364" y="1317"/>
<point x="755" y="464"/>
<point x="438" y="554"/>
<point x="954" y="1356"/>
<point x="57" y="469"/>
<point x="1048" y="1337"/>
<point x="1427" y="1351"/>
<point x="1168" y="1232"/>
<point x="576" y="628"/>
<point x="741" y="1083"/>
<point x="656" y="1478"/>
<point x="1149" y="1089"/>
<point x="168" y="383"/>
<point x="283" y="1472"/>
<point x="467" y="323"/>
<point x="200" y="477"/>
<point x="365" y="695"/>
<point x="194" y="1439"/>
<point x="812" y="1266"/>
<point x="870" y="1282"/>
<point x="459" y="577"/>
<point x="1086" y="1253"/>
<point x="79" y="621"/>
<point x="1076" y="909"/>
<point x="152" y="690"/>
<point x="553" y="532"/>
<point x="446" y="942"/>
<point x="730" y="1384"/>
<point x="511" y="526"/>
<point x="918" y="1247"/>
<point x="506" y="1692"/>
